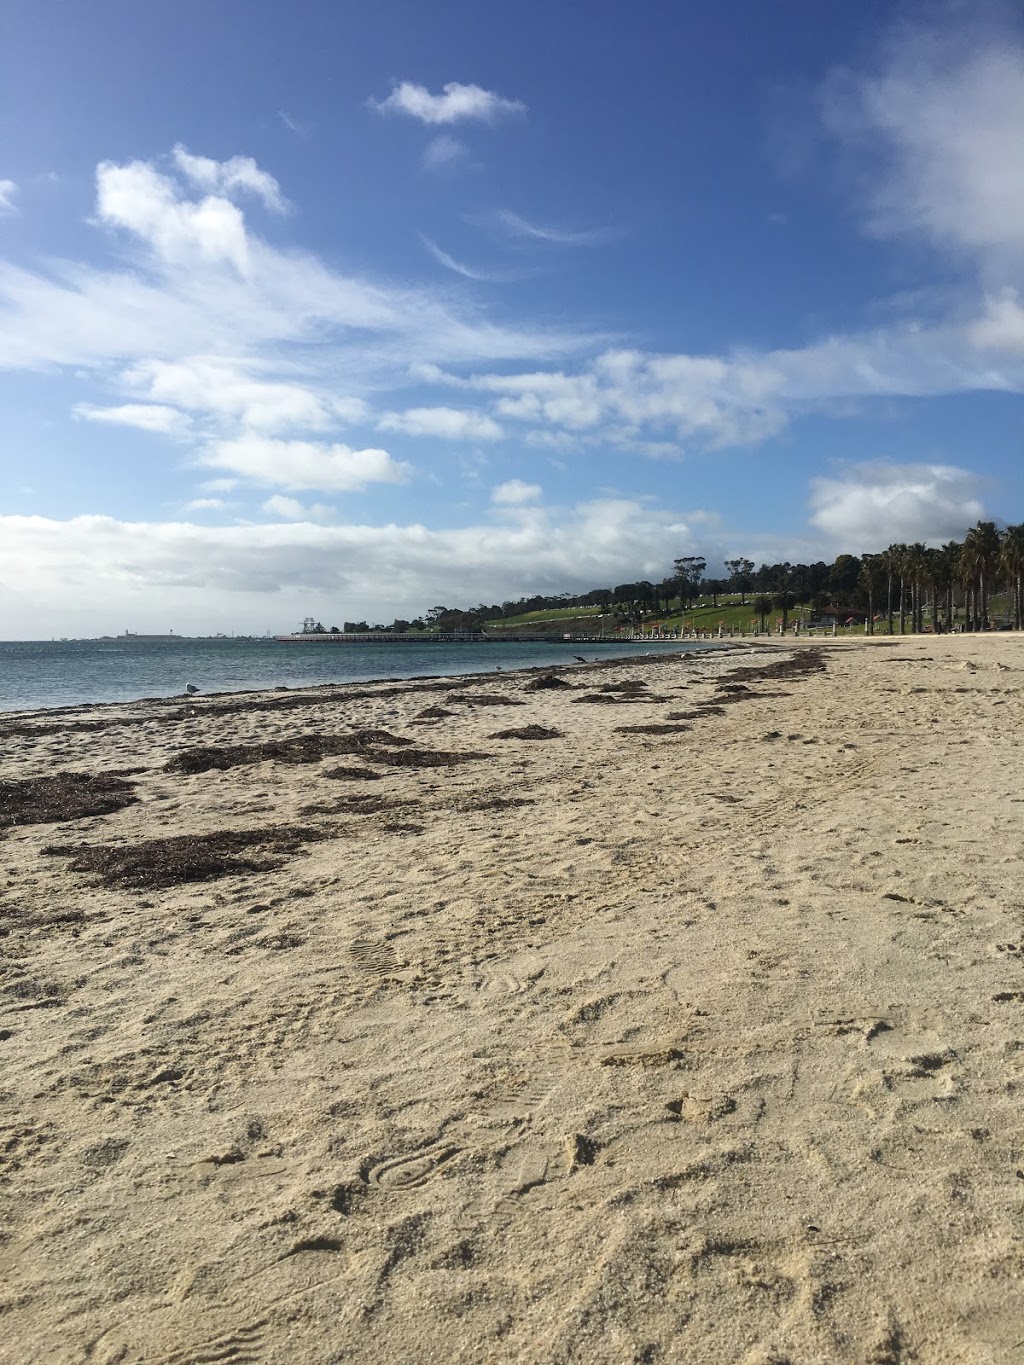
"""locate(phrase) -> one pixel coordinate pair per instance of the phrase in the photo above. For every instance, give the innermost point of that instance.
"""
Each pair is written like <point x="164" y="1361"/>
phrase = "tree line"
<point x="901" y="587"/>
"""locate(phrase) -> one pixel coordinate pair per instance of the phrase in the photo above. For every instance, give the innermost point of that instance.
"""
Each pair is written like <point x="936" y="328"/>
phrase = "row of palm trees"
<point x="906" y="577"/>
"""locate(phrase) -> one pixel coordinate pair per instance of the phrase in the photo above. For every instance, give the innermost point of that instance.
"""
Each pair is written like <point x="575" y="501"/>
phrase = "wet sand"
<point x="675" y="1014"/>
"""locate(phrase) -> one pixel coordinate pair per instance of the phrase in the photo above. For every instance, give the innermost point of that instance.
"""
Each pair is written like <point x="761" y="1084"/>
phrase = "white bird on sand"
<point x="191" y="689"/>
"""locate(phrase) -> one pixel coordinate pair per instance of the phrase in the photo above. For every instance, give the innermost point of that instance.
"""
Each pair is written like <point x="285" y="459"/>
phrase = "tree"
<point x="762" y="606"/>
<point x="842" y="577"/>
<point x="869" y="580"/>
<point x="1011" y="562"/>
<point x="948" y="571"/>
<point x="689" y="572"/>
<point x="979" y="558"/>
<point x="739" y="576"/>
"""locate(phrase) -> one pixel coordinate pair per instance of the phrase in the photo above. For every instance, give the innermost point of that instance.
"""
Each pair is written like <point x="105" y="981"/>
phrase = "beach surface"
<point x="686" y="1024"/>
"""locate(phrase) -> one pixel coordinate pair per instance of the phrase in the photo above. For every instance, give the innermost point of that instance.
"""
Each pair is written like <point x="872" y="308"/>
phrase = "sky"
<point x="351" y="310"/>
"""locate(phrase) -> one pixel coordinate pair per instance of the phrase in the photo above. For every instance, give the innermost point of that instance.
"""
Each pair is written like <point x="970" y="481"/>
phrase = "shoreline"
<point x="440" y="681"/>
<point x="668" y="1012"/>
<point x="662" y="647"/>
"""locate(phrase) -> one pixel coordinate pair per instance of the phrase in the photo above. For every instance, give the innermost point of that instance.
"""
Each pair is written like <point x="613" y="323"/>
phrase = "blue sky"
<point x="347" y="310"/>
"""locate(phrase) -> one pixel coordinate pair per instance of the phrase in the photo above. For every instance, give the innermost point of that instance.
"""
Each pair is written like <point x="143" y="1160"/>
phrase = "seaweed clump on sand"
<point x="487" y="699"/>
<point x="434" y="713"/>
<point x="155" y="863"/>
<point x="527" y="732"/>
<point x="548" y="682"/>
<point x="425" y="758"/>
<point x="472" y="803"/>
<point x="618" y="694"/>
<point x="301" y="749"/>
<point x="345" y="773"/>
<point x="62" y="796"/>
<point x="807" y="661"/>
<point x="368" y="804"/>
<point x="654" y="729"/>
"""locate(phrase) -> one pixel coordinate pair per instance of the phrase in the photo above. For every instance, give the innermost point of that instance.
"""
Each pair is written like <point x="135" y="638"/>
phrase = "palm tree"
<point x="899" y="564"/>
<point x="889" y="559"/>
<point x="1011" y="562"/>
<point x="916" y="560"/>
<point x="867" y="579"/>
<point x="947" y="573"/>
<point x="979" y="558"/>
<point x="762" y="606"/>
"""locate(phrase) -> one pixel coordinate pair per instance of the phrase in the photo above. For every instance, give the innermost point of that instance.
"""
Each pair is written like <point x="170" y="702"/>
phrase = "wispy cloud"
<point x="143" y="416"/>
<point x="290" y="509"/>
<point x="240" y="174"/>
<point x="444" y="153"/>
<point x="514" y="493"/>
<point x="515" y="226"/>
<point x="8" y="193"/>
<point x="457" y="103"/>
<point x="304" y="464"/>
<point x="940" y="122"/>
<point x="472" y="272"/>
<point x="453" y="424"/>
<point x="292" y="124"/>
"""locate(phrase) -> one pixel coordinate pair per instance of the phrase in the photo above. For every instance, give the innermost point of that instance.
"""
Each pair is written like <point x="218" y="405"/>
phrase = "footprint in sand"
<point x="410" y="1171"/>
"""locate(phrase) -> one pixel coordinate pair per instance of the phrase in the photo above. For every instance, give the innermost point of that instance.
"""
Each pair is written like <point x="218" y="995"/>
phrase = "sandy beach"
<point x="673" y="1011"/>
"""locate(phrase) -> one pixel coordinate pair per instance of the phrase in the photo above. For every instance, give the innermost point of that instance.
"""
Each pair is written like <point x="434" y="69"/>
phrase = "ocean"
<point x="72" y="672"/>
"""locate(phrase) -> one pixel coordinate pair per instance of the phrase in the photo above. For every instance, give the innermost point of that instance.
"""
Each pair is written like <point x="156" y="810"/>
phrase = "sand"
<point x="704" y="1043"/>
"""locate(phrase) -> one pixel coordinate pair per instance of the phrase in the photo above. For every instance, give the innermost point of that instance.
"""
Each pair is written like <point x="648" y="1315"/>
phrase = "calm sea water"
<point x="70" y="672"/>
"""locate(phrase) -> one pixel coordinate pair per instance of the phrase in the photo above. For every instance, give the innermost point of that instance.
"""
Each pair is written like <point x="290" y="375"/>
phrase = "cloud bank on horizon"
<point x="245" y="422"/>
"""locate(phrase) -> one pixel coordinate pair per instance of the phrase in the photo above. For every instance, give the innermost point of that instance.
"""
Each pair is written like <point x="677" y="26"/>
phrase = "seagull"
<point x="191" y="689"/>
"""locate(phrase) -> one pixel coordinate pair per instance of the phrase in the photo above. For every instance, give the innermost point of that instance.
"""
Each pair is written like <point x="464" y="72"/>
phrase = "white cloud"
<point x="877" y="504"/>
<point x="514" y="492"/>
<point x="204" y="505"/>
<point x="145" y="416"/>
<point x="943" y="116"/>
<point x="8" y="191"/>
<point x="472" y="272"/>
<point x="227" y="388"/>
<point x="139" y="198"/>
<point x="93" y="573"/>
<point x="457" y="103"/>
<point x="443" y="153"/>
<point x="200" y="284"/>
<point x="451" y="424"/>
<point x="624" y="397"/>
<point x="240" y="173"/>
<point x="290" y="509"/>
<point x="516" y="226"/>
<point x="1001" y="325"/>
<point x="304" y="464"/>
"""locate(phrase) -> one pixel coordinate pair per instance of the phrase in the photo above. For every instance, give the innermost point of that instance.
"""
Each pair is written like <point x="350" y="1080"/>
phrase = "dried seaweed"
<point x="63" y="796"/>
<point x="185" y="858"/>
<point x="653" y="729"/>
<point x="301" y="749"/>
<point x="471" y="803"/>
<point x="527" y="732"/>
<point x="347" y="774"/>
<point x="370" y="804"/>
<point x="547" y="682"/>
<point x="620" y="698"/>
<point x="425" y="758"/>
<point x="709" y="709"/>
<point x="488" y="699"/>
<point x="807" y="661"/>
<point x="434" y="713"/>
